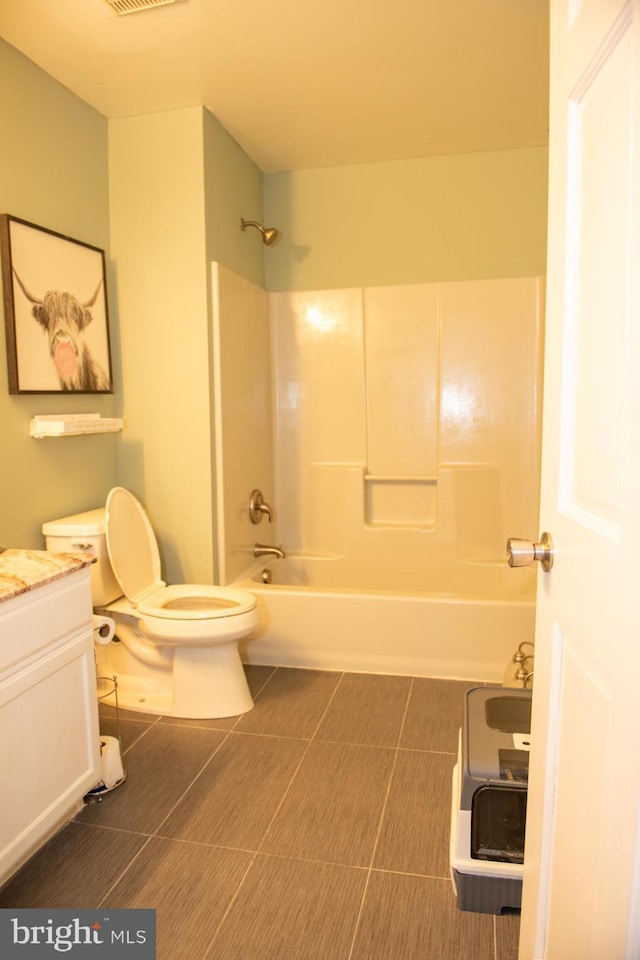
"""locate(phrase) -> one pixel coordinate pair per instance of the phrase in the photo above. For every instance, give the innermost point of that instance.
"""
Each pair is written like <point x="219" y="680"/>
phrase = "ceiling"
<point x="308" y="83"/>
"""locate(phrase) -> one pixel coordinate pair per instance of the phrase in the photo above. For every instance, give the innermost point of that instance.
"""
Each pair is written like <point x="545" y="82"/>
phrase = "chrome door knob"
<point x="522" y="552"/>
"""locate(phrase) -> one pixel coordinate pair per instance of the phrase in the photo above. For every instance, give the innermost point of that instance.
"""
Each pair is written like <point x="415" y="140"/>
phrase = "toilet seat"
<point x="135" y="559"/>
<point x="194" y="601"/>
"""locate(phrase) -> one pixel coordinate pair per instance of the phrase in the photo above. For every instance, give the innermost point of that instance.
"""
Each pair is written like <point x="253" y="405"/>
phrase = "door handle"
<point x="522" y="552"/>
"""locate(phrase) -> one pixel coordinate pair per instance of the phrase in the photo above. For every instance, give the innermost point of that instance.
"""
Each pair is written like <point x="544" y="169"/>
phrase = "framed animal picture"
<point x="55" y="307"/>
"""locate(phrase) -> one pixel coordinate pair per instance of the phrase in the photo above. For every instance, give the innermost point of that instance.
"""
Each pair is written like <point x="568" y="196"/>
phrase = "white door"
<point x="581" y="895"/>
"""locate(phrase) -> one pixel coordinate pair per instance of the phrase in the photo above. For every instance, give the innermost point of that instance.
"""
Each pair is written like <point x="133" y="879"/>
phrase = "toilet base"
<point x="199" y="683"/>
<point x="210" y="682"/>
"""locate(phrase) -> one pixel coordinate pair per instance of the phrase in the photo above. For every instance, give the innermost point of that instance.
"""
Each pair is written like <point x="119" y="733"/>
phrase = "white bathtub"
<point x="462" y="635"/>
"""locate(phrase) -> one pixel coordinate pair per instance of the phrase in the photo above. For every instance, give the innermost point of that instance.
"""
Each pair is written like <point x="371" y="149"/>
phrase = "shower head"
<point x="269" y="234"/>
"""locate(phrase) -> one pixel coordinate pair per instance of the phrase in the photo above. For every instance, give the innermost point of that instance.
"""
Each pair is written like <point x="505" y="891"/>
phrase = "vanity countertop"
<point x="23" y="570"/>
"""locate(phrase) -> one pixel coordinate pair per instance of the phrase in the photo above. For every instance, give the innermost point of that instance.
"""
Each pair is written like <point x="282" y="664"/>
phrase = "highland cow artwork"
<point x="55" y="311"/>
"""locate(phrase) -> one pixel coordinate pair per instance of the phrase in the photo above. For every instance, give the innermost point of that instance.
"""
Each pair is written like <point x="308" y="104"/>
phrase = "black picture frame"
<point x="56" y="314"/>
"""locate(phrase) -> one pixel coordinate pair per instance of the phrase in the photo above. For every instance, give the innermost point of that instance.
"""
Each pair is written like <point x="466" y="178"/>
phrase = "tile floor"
<point x="315" y="826"/>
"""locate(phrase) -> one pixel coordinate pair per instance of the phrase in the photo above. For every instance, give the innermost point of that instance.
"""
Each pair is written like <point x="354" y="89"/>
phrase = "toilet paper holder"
<point x="112" y="771"/>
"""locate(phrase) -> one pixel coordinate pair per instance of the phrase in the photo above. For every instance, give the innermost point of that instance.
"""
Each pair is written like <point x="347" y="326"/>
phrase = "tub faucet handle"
<point x="258" y="508"/>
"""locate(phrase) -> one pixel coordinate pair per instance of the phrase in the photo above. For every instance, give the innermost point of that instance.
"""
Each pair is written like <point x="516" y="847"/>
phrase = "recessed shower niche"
<point x="401" y="501"/>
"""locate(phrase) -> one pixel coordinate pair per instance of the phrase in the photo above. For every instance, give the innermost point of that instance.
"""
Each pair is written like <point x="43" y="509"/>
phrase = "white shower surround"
<point x="396" y="517"/>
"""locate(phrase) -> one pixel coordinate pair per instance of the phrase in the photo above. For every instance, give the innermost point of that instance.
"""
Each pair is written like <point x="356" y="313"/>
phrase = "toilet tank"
<point x="85" y="533"/>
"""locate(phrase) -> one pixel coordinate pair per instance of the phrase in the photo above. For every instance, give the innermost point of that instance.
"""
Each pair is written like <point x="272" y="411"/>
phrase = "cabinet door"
<point x="49" y="745"/>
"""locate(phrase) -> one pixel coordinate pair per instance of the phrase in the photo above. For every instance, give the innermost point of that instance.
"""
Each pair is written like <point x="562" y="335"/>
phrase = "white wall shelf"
<point x="73" y="425"/>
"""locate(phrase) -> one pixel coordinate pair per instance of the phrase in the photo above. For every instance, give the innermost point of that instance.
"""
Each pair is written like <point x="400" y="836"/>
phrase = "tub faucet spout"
<point x="264" y="550"/>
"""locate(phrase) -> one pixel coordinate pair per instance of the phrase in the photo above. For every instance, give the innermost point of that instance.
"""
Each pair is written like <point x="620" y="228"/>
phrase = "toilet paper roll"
<point x="103" y="629"/>
<point x="110" y="762"/>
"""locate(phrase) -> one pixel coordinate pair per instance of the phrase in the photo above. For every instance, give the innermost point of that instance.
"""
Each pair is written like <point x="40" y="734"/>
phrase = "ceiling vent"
<point x="123" y="7"/>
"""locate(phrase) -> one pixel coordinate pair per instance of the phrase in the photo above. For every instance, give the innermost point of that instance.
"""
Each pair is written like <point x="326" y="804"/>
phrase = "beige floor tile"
<point x="414" y="837"/>
<point x="291" y="704"/>
<point x="258" y="676"/>
<point x="366" y="709"/>
<point x="290" y="910"/>
<point x="416" y="918"/>
<point x="434" y="715"/>
<point x="306" y="783"/>
<point x="235" y="799"/>
<point x="507" y="934"/>
<point x="160" y="766"/>
<point x="190" y="886"/>
<point x="75" y="869"/>
<point x="333" y="807"/>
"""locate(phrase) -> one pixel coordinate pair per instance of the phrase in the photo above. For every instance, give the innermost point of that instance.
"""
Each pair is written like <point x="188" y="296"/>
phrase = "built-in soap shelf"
<point x="72" y="424"/>
<point x="400" y="501"/>
<point x="397" y="478"/>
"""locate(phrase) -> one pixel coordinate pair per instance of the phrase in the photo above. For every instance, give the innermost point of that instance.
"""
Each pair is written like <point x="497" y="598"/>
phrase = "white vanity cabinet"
<point x="49" y="739"/>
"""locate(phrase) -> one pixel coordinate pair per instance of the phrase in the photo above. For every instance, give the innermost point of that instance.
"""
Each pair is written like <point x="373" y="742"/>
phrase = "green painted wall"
<point x="179" y="186"/>
<point x="233" y="189"/>
<point x="464" y="217"/>
<point x="158" y="246"/>
<point x="53" y="172"/>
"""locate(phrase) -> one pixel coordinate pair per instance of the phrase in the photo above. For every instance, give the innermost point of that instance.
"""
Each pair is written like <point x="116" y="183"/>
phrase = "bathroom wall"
<point x="408" y="425"/>
<point x="464" y="217"/>
<point x="233" y="189"/>
<point x="53" y="172"/>
<point x="179" y="186"/>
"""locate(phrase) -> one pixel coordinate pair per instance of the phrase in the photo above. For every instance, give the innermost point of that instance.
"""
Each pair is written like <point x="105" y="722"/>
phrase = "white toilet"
<point x="175" y="652"/>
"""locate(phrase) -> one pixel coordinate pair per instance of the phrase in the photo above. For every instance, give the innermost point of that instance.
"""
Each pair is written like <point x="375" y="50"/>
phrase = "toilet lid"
<point x="132" y="546"/>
